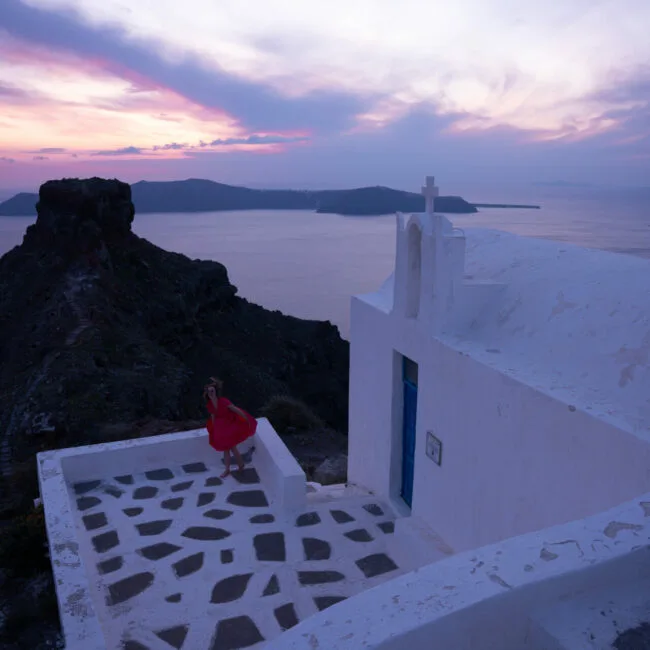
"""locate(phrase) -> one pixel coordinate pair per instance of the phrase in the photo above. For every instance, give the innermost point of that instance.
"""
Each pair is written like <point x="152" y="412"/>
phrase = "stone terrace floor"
<point x="178" y="558"/>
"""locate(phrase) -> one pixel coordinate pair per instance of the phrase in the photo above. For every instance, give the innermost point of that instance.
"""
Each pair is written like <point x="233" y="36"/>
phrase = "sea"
<point x="308" y="264"/>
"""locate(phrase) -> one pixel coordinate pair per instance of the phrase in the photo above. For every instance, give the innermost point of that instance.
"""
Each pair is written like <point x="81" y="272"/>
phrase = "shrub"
<point x="289" y="415"/>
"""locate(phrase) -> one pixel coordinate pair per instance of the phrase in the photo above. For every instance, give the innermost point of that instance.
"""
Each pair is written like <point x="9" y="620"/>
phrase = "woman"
<point x="228" y="425"/>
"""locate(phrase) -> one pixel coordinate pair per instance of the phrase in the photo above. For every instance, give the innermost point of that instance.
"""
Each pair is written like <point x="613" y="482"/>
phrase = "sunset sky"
<point x="325" y="93"/>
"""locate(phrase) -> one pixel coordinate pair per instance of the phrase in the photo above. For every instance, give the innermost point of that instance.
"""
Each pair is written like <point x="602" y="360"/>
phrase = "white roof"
<point x="572" y="322"/>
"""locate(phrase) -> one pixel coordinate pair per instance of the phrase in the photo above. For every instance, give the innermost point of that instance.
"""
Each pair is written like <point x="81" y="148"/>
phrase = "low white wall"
<point x="278" y="469"/>
<point x="514" y="459"/>
<point x="484" y="599"/>
<point x="79" y="621"/>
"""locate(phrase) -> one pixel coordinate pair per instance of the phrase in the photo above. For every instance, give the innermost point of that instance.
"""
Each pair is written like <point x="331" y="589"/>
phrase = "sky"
<point x="325" y="93"/>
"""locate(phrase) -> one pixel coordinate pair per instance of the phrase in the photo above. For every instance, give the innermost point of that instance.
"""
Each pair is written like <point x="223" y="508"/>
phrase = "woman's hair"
<point x="216" y="383"/>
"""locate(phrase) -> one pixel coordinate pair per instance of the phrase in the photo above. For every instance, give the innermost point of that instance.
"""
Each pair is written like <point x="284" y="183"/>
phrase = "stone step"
<point x="414" y="544"/>
<point x="592" y="620"/>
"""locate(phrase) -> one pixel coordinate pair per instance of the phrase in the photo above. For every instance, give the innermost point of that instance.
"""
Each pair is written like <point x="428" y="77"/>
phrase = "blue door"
<point x="408" y="431"/>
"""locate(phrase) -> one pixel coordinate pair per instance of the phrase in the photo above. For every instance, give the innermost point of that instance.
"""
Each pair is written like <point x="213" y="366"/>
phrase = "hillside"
<point x="196" y="195"/>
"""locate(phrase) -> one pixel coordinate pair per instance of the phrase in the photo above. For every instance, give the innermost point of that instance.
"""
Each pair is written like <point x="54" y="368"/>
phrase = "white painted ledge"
<point x="278" y="469"/>
<point x="490" y="597"/>
<point x="282" y="477"/>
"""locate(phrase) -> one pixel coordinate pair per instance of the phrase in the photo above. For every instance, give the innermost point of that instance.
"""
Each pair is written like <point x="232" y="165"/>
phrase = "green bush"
<point x="289" y="415"/>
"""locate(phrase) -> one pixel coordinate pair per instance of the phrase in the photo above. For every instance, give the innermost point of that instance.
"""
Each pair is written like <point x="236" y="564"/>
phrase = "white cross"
<point x="429" y="191"/>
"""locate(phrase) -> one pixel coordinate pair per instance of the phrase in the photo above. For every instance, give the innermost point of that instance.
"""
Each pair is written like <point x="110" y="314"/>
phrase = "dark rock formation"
<point x="105" y="336"/>
<point x="99" y="328"/>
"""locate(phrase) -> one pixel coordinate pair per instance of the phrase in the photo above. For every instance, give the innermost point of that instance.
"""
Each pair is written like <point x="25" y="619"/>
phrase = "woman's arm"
<point x="238" y="411"/>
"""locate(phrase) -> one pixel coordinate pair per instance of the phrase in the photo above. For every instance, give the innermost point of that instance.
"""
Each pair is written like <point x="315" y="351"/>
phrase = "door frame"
<point x="409" y="381"/>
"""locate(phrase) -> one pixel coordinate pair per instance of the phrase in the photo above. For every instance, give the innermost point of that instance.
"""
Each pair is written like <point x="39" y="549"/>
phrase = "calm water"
<point x="308" y="264"/>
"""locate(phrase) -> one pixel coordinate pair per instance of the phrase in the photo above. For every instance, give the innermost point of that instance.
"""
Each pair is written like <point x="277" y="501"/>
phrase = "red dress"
<point x="228" y="428"/>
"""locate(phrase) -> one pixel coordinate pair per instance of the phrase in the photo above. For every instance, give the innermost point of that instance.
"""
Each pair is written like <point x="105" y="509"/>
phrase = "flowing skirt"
<point x="226" y="433"/>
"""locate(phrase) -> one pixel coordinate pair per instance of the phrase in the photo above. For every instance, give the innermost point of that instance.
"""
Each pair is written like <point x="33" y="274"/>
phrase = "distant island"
<point x="197" y="195"/>
<point x="521" y="206"/>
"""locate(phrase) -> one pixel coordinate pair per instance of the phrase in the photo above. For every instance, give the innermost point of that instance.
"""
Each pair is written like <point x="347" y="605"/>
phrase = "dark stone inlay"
<point x="227" y="556"/>
<point x="175" y="636"/>
<point x="373" y="509"/>
<point x="634" y="638"/>
<point x="269" y="547"/>
<point x="154" y="527"/>
<point x="272" y="587"/>
<point x="323" y="602"/>
<point x="387" y="527"/>
<point x="286" y="616"/>
<point x="113" y="491"/>
<point x="262" y="519"/>
<point x="205" y="498"/>
<point x="231" y="588"/>
<point x="179" y="487"/>
<point x="133" y="512"/>
<point x="316" y="549"/>
<point x="248" y="499"/>
<point x="341" y="517"/>
<point x="126" y="589"/>
<point x="159" y="551"/>
<point x="84" y="503"/>
<point x="359" y="535"/>
<point x="195" y="468"/>
<point x="375" y="565"/>
<point x="145" y="492"/>
<point x="218" y="514"/>
<point x="319" y="577"/>
<point x="205" y="533"/>
<point x="109" y="566"/>
<point x="94" y="521"/>
<point x="174" y="598"/>
<point x="235" y="633"/>
<point x="159" y="474"/>
<point x="105" y="541"/>
<point x="308" y="519"/>
<point x="213" y="481"/>
<point x="172" y="504"/>
<point x="86" y="486"/>
<point x="247" y="476"/>
<point x="126" y="479"/>
<point x="188" y="565"/>
<point x="133" y="645"/>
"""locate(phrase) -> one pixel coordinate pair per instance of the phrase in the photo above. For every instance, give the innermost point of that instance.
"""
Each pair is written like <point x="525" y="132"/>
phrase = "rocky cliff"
<point x="103" y="335"/>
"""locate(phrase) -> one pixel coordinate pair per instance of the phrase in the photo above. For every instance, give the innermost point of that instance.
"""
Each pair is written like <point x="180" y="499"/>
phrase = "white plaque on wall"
<point x="434" y="448"/>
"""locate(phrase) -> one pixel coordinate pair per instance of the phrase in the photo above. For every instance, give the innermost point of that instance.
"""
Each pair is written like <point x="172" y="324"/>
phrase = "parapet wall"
<point x="489" y="598"/>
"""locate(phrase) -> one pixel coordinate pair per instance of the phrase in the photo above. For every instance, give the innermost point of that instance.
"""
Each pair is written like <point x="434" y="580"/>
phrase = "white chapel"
<point x="500" y="384"/>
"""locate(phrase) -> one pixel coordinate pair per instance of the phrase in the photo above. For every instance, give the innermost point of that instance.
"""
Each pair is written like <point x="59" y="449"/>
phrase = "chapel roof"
<point x="571" y="321"/>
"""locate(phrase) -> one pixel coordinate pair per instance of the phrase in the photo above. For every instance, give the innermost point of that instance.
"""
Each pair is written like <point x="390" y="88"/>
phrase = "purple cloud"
<point x="258" y="139"/>
<point x="257" y="106"/>
<point x="7" y="160"/>
<point x="173" y="146"/>
<point x="40" y="158"/>
<point x="119" y="152"/>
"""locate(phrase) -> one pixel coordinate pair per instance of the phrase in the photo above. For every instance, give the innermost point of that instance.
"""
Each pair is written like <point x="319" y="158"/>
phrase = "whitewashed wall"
<point x="514" y="459"/>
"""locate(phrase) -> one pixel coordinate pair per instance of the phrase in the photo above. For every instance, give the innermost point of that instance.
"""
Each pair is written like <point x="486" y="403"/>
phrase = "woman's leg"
<point x="226" y="462"/>
<point x="238" y="458"/>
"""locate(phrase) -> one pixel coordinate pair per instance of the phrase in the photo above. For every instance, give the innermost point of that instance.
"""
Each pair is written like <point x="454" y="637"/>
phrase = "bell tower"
<point x="429" y="264"/>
